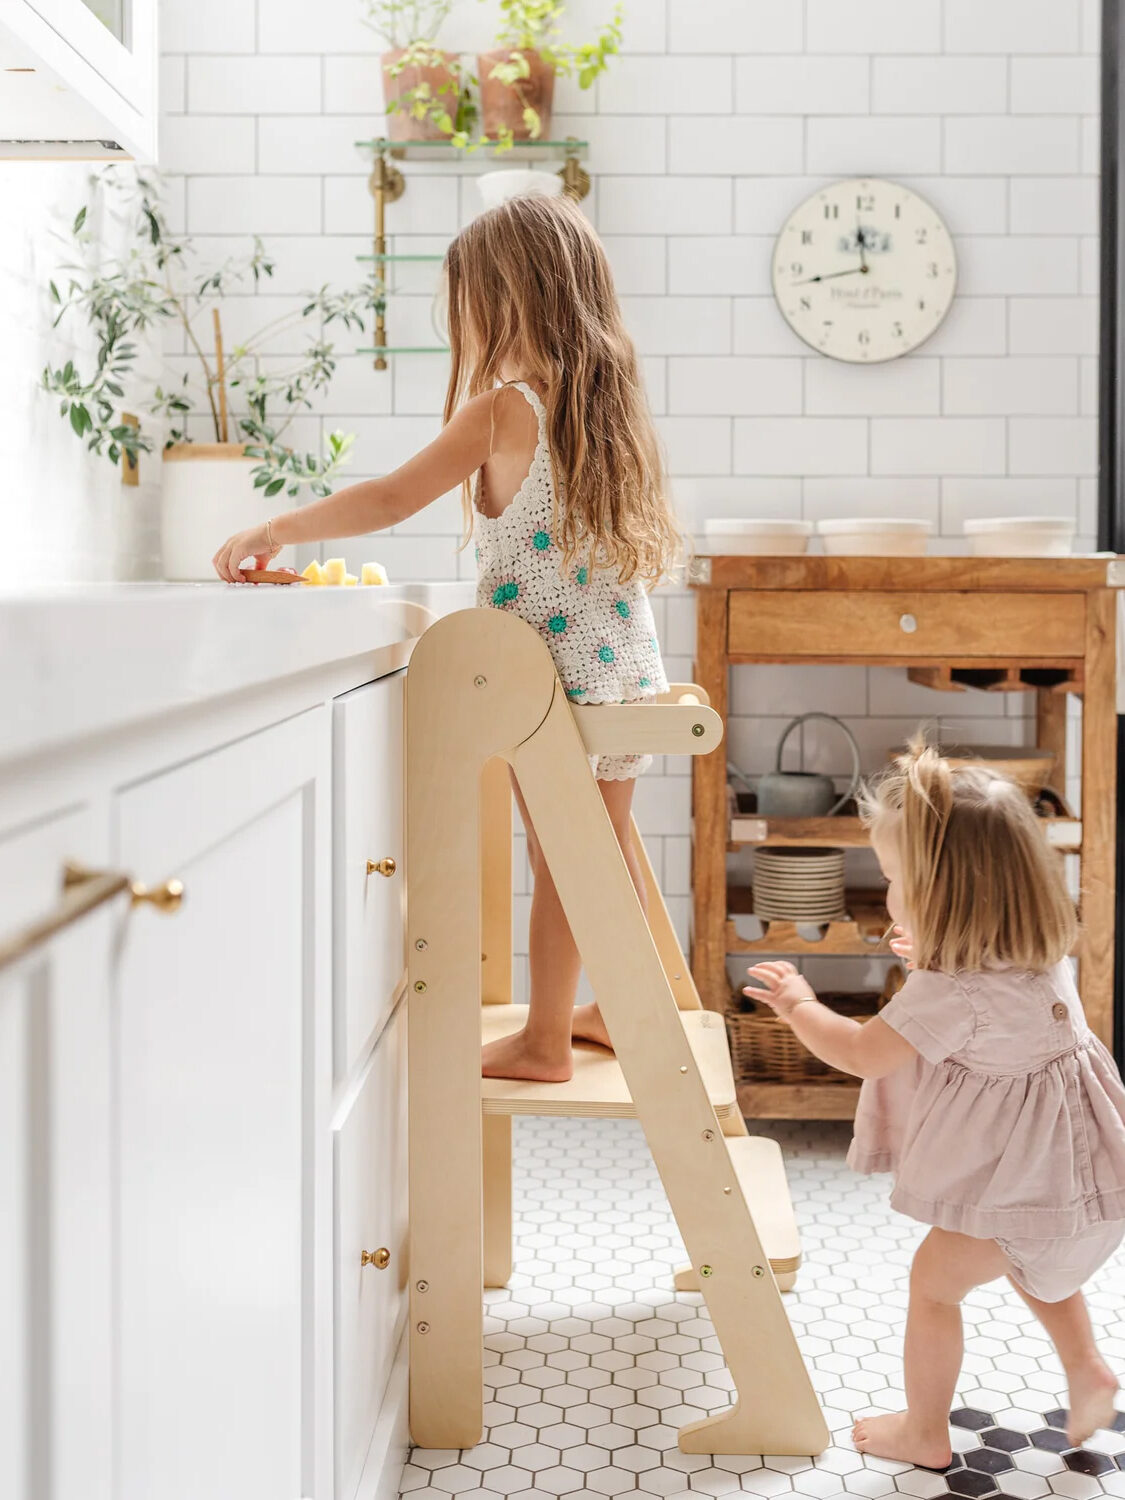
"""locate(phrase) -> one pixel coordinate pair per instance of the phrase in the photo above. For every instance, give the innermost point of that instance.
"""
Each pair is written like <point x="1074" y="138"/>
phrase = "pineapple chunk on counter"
<point x="335" y="570"/>
<point x="334" y="574"/>
<point x="373" y="573"/>
<point x="314" y="574"/>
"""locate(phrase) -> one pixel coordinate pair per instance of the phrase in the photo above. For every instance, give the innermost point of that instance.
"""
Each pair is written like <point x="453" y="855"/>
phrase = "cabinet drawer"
<point x="789" y="624"/>
<point x="370" y="926"/>
<point x="371" y="1209"/>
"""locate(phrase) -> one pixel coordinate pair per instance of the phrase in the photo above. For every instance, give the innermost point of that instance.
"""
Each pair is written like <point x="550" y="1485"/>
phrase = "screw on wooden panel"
<point x="421" y="945"/>
<point x="727" y="1191"/>
<point x="708" y="1135"/>
<point x="480" y="681"/>
<point x="419" y="986"/>
<point x="422" y="1286"/>
<point x="758" y="1271"/>
<point x="698" y="730"/>
<point x="423" y="1327"/>
<point x="683" y="1067"/>
<point x="706" y="1271"/>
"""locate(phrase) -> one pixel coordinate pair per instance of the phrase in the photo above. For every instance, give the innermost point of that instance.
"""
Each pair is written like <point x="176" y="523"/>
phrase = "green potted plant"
<point x="517" y="79"/>
<point x="228" y="481"/>
<point x="425" y="94"/>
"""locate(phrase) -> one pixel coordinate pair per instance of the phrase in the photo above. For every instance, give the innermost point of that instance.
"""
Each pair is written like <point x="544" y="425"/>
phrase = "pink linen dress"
<point x="1009" y="1125"/>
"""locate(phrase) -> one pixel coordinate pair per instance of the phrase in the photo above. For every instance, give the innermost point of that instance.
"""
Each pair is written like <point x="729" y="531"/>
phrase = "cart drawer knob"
<point x="907" y="623"/>
<point x="386" y="867"/>
<point x="380" y="1258"/>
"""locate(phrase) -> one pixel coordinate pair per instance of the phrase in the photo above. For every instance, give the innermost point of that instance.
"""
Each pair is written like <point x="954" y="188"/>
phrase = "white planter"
<point x="1020" y="536"/>
<point x="756" y="538"/>
<point x="208" y="493"/>
<point x="863" y="536"/>
<point x="517" y="182"/>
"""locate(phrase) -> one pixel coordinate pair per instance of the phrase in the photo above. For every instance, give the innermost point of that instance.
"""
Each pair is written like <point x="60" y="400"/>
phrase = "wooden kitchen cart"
<point x="1046" y="625"/>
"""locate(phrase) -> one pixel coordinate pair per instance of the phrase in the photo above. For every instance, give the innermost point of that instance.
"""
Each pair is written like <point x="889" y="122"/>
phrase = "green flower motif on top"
<point x="606" y="654"/>
<point x="557" y="624"/>
<point x="578" y="692"/>
<point x="622" y="609"/>
<point x="655" y="643"/>
<point x="505" y="594"/>
<point x="583" y="577"/>
<point x="644" y="682"/>
<point x="541" y="541"/>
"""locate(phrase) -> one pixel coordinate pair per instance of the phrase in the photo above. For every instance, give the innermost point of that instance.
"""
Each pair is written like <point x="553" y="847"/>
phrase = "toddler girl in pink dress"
<point x="999" y="1112"/>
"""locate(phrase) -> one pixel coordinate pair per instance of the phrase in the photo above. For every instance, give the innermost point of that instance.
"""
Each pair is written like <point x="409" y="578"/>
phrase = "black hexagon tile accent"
<point x="988" y="1460"/>
<point x="1052" y="1440"/>
<point x="970" y="1417"/>
<point x="1056" y="1418"/>
<point x="1084" y="1462"/>
<point x="969" y="1482"/>
<point x="1005" y="1439"/>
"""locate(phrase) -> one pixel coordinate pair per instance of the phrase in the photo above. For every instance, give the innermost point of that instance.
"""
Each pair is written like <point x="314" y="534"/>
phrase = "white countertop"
<point x="81" y="659"/>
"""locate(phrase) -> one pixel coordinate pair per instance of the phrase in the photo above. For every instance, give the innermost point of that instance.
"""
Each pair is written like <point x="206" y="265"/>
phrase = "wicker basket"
<point x="766" y="1050"/>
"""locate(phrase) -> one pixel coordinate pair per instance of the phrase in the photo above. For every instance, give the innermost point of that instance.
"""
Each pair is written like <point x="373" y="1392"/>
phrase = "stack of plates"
<point x="799" y="885"/>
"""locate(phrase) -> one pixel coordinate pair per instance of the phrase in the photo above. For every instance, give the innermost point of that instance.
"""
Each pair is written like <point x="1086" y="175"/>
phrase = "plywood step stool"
<point x="483" y="696"/>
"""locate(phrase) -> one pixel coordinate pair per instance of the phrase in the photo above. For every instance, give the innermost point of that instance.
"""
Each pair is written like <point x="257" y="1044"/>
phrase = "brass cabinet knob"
<point x="166" y="897"/>
<point x="380" y="1258"/>
<point x="385" y="867"/>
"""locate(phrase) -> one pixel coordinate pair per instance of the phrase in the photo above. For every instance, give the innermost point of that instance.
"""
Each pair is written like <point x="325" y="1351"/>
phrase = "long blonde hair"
<point x="981" y="886"/>
<point x="529" y="284"/>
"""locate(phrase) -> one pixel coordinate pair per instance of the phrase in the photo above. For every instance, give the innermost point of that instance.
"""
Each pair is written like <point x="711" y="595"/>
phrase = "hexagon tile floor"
<point x="592" y="1363"/>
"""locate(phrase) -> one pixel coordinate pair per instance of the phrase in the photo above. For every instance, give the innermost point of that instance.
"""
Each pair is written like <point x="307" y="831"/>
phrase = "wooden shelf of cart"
<point x="1040" y="625"/>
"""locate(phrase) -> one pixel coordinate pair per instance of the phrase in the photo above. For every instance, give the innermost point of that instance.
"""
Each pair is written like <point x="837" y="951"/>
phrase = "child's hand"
<point x="253" y="543"/>
<point x="784" y="989"/>
<point x="903" y="945"/>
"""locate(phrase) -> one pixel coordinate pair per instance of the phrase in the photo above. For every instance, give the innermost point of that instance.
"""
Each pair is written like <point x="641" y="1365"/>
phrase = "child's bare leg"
<point x="542" y="1051"/>
<point x="587" y="1023"/>
<point x="946" y="1268"/>
<point x="1090" y="1382"/>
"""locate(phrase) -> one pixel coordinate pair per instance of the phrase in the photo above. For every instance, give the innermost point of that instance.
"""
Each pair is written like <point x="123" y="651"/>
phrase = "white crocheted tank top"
<point x="599" y="630"/>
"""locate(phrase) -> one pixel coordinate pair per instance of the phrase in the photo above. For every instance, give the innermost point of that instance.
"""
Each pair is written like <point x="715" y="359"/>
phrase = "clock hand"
<point x="862" y="245"/>
<point x="831" y="275"/>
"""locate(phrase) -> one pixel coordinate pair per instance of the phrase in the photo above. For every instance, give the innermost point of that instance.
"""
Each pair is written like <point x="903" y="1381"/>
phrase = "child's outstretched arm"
<point x="458" y="451"/>
<point x="870" y="1050"/>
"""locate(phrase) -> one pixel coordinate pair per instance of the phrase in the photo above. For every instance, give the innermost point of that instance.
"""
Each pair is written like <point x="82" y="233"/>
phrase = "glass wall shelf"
<point x="405" y="349"/>
<point x="384" y="259"/>
<point x="428" y="150"/>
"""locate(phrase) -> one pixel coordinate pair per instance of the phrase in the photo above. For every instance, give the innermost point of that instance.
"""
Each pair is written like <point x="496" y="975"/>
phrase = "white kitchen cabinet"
<point x="80" y="78"/>
<point x="369" y="878"/>
<point x="218" y="1041"/>
<point x="370" y="1256"/>
<point x="55" y="1174"/>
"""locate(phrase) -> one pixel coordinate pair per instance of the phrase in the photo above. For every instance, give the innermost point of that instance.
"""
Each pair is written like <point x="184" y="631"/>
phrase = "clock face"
<point x="864" y="270"/>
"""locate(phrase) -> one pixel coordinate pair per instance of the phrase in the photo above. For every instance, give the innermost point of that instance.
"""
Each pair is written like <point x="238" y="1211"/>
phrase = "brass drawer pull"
<point x="380" y="1258"/>
<point x="385" y="867"/>
<point x="84" y="890"/>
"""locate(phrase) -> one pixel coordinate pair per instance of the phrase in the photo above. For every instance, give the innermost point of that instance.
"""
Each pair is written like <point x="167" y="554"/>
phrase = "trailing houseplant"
<point x="425" y="89"/>
<point x="517" y="79"/>
<point x="247" y="405"/>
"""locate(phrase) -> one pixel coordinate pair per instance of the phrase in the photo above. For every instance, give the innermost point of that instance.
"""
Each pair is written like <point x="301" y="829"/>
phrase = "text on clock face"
<point x="864" y="271"/>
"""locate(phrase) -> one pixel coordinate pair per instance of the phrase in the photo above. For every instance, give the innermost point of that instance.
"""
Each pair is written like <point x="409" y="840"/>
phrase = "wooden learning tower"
<point x="483" y="697"/>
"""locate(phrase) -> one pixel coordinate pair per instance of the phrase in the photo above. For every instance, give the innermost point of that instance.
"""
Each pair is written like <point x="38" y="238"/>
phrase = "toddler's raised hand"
<point x="903" y="945"/>
<point x="782" y="988"/>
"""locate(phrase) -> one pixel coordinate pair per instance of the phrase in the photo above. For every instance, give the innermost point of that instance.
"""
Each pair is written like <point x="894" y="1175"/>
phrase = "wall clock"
<point x="864" y="270"/>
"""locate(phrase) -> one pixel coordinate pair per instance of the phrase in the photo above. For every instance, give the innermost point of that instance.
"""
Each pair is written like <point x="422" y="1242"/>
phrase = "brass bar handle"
<point x="83" y="892"/>
<point x="167" y="897"/>
<point x="385" y="867"/>
<point x="380" y="1258"/>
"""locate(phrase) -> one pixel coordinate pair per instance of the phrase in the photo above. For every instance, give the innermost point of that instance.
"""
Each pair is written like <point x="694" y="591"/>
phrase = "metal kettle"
<point x="805" y="794"/>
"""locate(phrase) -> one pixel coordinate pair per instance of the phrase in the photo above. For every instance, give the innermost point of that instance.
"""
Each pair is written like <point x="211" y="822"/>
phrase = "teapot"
<point x="805" y="794"/>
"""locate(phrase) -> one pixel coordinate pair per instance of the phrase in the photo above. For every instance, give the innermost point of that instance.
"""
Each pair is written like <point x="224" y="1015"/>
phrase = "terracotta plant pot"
<point x="208" y="494"/>
<point x="401" y="124"/>
<point x="502" y="105"/>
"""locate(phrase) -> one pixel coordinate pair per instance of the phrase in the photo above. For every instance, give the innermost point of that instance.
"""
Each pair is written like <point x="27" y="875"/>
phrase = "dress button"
<point x="1058" y="1010"/>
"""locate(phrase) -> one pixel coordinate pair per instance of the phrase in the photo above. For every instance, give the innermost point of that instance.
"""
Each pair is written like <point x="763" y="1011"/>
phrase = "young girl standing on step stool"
<point x="999" y="1112"/>
<point x="547" y="430"/>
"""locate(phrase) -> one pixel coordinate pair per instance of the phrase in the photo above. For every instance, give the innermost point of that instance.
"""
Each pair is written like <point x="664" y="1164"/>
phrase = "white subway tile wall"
<point x="718" y="119"/>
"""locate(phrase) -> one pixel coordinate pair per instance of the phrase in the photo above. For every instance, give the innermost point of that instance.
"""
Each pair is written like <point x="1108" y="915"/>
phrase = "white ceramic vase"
<point x="208" y="493"/>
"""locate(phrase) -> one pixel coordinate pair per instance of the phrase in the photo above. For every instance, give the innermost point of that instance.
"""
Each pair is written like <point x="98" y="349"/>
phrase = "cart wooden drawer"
<point x="790" y="623"/>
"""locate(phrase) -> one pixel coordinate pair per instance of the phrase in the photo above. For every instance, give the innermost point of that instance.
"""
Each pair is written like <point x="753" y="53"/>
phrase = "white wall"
<point x="721" y="117"/>
<point x="66" y="514"/>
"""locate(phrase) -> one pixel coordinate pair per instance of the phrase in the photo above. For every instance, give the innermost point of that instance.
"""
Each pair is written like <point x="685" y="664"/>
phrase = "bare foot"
<point x="588" y="1026"/>
<point x="900" y="1437"/>
<point x="515" y="1057"/>
<point x="1092" y="1388"/>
